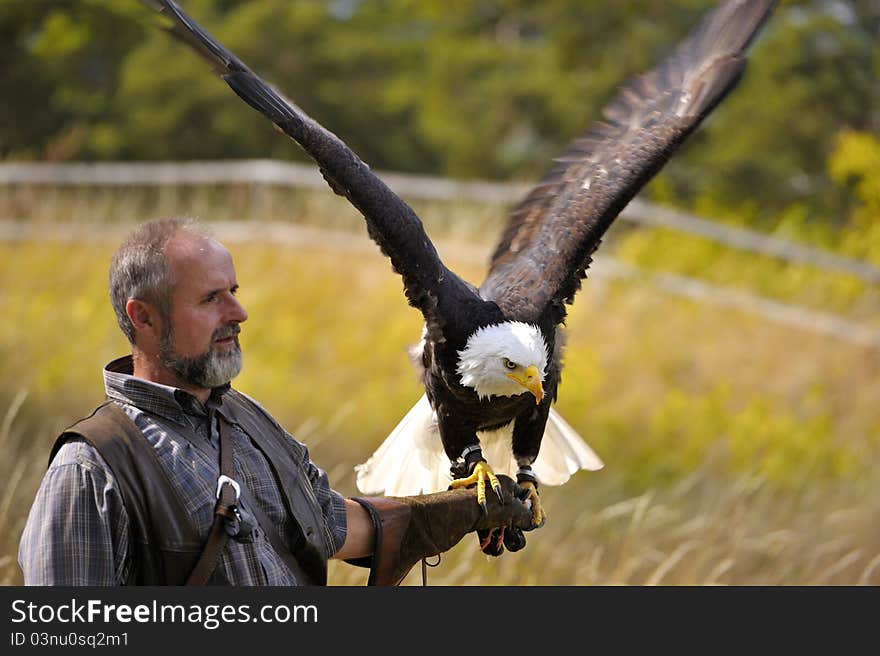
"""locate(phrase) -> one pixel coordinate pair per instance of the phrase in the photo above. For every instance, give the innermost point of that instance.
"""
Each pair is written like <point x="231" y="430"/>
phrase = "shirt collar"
<point x="170" y="402"/>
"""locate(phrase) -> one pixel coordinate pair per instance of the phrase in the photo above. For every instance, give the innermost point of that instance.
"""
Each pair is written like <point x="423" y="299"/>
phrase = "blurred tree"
<point x="766" y="148"/>
<point x="469" y="88"/>
<point x="59" y="73"/>
<point x="855" y="165"/>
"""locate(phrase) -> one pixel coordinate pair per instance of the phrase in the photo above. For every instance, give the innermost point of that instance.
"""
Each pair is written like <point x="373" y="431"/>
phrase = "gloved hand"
<point x="411" y="528"/>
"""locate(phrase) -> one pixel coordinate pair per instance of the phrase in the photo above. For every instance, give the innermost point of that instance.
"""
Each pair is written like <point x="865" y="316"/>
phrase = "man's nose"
<point x="237" y="311"/>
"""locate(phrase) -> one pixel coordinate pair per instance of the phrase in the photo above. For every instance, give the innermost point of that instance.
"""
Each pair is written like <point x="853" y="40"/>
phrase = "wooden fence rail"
<point x="290" y="174"/>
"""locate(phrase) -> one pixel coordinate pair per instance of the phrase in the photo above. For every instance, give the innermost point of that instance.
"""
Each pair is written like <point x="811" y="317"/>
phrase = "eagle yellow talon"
<point x="538" y="514"/>
<point x="482" y="472"/>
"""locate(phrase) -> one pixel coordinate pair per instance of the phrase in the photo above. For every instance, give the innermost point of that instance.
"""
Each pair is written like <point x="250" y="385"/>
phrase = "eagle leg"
<point x="538" y="514"/>
<point x="481" y="473"/>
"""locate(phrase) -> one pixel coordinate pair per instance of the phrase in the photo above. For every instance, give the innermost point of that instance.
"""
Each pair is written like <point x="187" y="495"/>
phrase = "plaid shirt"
<point x="77" y="532"/>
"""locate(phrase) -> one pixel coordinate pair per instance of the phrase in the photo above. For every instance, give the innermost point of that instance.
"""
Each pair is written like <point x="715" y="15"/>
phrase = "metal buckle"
<point x="469" y="450"/>
<point x="235" y="486"/>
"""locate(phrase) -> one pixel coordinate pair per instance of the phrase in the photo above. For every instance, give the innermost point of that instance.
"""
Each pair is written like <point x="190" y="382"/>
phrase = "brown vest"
<point x="164" y="543"/>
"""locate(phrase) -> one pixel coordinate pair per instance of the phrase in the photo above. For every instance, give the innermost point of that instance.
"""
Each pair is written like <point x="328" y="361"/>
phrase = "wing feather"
<point x="546" y="248"/>
<point x="391" y="223"/>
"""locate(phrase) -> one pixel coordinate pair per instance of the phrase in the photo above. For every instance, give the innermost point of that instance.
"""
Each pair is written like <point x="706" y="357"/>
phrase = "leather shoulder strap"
<point x="156" y="513"/>
<point x="309" y="534"/>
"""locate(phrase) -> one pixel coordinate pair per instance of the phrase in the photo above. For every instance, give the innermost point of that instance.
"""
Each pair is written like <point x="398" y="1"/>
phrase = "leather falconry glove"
<point x="408" y="529"/>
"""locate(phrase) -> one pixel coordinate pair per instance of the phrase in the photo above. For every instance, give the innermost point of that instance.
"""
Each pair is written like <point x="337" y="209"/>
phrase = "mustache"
<point x="223" y="332"/>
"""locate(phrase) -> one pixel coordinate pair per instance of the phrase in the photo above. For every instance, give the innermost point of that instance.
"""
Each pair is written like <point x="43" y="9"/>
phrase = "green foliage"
<point x="857" y="159"/>
<point x="475" y="88"/>
<point x="811" y="75"/>
<point x="673" y="252"/>
<point x="855" y="164"/>
<point x="59" y="73"/>
<point x="853" y="167"/>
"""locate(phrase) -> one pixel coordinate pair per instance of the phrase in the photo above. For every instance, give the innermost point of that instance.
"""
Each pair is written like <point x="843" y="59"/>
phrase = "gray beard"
<point x="208" y="370"/>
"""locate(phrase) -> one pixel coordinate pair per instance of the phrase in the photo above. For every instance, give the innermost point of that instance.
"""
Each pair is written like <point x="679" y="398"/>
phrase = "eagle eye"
<point x="510" y="365"/>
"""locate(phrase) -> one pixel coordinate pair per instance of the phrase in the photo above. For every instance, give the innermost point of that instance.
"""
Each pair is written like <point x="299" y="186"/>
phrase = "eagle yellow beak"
<point x="531" y="380"/>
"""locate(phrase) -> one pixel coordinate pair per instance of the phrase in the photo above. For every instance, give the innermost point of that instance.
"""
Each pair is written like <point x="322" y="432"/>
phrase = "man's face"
<point x="199" y="343"/>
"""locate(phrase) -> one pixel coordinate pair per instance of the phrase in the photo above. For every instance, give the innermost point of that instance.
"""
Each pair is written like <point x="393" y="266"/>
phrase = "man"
<point x="179" y="478"/>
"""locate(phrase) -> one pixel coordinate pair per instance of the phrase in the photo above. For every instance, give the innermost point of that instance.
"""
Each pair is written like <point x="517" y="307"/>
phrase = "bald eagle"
<point x="490" y="355"/>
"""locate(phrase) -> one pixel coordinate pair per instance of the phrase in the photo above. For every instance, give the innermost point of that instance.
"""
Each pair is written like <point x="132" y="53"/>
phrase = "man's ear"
<point x="141" y="314"/>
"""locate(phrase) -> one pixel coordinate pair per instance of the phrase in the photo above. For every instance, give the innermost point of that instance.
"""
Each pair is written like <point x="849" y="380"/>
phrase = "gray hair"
<point x="138" y="269"/>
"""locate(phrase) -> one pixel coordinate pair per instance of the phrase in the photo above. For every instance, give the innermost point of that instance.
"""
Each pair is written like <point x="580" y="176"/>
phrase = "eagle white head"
<point x="504" y="359"/>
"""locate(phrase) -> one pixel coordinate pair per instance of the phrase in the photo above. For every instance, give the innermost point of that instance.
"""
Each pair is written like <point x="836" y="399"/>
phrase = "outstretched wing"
<point x="391" y="223"/>
<point x="547" y="246"/>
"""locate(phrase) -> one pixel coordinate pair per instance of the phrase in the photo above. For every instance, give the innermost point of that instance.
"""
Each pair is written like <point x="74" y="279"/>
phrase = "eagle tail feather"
<point x="411" y="460"/>
<point x="563" y="452"/>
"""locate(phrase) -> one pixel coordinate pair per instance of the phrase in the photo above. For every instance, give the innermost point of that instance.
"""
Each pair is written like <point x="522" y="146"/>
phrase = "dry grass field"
<point x="738" y="451"/>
